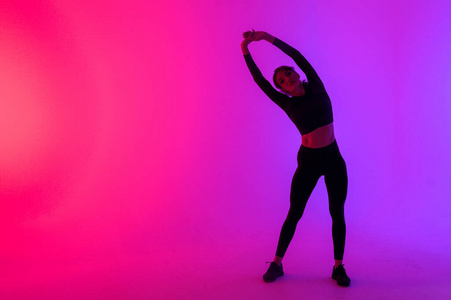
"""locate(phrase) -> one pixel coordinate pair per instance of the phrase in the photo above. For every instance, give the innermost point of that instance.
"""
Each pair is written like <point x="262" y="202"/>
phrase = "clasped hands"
<point x="253" y="36"/>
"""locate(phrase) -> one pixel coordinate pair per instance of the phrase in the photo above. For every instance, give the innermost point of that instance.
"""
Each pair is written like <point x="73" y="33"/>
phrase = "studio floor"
<point x="233" y="270"/>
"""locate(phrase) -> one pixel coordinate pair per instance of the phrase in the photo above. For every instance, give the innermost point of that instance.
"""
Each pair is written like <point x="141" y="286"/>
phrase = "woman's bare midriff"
<point x="320" y="137"/>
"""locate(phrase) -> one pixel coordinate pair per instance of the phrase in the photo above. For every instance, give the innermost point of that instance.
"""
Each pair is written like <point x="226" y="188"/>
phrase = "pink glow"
<point x="132" y="134"/>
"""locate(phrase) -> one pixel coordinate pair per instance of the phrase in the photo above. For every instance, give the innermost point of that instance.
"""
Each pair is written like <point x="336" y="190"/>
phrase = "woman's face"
<point x="289" y="82"/>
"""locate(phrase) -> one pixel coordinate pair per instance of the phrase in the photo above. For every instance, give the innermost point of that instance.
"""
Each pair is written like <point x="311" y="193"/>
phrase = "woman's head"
<point x="287" y="80"/>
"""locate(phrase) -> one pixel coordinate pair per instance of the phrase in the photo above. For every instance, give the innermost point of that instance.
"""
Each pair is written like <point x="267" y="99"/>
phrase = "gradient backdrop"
<point x="133" y="129"/>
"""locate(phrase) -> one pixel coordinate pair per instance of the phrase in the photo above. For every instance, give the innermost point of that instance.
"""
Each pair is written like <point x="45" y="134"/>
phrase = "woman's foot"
<point x="273" y="272"/>
<point x="339" y="274"/>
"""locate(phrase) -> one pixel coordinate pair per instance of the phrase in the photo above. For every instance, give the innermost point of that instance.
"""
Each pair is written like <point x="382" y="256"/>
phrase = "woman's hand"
<point x="251" y="36"/>
<point x="255" y="35"/>
<point x="244" y="45"/>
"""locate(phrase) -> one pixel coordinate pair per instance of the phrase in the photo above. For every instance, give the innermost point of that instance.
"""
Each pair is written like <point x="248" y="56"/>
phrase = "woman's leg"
<point x="302" y="185"/>
<point x="336" y="180"/>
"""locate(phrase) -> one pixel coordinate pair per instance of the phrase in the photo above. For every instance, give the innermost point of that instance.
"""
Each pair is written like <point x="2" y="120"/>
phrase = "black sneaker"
<point x="273" y="272"/>
<point x="339" y="274"/>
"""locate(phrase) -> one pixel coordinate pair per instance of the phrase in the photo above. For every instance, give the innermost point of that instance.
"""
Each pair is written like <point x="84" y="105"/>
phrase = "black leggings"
<point x="312" y="164"/>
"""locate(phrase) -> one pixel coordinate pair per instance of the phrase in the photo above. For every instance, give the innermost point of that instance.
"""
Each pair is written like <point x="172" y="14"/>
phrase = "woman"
<point x="308" y="106"/>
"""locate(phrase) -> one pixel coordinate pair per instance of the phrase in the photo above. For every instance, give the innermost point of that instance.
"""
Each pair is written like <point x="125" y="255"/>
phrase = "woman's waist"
<point x="320" y="137"/>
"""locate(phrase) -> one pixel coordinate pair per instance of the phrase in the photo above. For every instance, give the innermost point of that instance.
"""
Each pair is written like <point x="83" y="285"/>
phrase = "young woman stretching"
<point x="308" y="106"/>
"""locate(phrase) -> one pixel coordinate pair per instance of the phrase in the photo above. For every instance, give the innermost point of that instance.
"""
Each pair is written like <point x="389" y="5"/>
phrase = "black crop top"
<point x="308" y="112"/>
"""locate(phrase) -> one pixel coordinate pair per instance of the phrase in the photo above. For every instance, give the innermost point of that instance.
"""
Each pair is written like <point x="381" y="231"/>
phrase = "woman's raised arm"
<point x="312" y="77"/>
<point x="280" y="99"/>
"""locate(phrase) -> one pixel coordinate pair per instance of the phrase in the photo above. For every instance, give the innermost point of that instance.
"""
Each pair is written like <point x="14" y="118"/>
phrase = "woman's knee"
<point x="337" y="213"/>
<point x="293" y="217"/>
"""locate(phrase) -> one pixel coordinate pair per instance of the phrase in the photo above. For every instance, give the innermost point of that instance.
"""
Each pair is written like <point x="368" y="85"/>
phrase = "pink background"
<point x="132" y="134"/>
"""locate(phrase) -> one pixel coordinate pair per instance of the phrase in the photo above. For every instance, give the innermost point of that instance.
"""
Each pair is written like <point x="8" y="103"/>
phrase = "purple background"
<point x="132" y="130"/>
